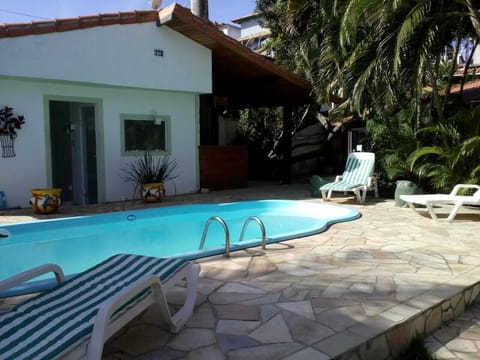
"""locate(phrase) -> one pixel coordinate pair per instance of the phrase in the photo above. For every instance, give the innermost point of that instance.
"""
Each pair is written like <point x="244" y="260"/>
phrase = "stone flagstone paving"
<point x="359" y="290"/>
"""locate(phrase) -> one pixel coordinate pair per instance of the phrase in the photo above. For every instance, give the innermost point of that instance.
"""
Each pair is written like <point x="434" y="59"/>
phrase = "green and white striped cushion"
<point x="47" y="325"/>
<point x="357" y="172"/>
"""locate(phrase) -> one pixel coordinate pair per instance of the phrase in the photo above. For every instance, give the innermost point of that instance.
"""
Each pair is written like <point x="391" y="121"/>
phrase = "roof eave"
<point x="183" y="21"/>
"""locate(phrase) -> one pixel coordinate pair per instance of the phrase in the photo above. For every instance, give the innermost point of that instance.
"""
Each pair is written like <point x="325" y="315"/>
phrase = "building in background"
<point x="253" y="33"/>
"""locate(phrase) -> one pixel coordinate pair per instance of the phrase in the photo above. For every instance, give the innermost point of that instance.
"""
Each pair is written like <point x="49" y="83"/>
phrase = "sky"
<point x="14" y="11"/>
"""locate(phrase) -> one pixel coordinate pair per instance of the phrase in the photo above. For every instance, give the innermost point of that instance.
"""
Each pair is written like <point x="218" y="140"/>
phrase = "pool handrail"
<point x="225" y="228"/>
<point x="262" y="228"/>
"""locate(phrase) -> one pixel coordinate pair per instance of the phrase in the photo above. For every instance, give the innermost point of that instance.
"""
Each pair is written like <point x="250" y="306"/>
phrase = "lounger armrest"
<point x="31" y="274"/>
<point x="338" y="178"/>
<point x="458" y="187"/>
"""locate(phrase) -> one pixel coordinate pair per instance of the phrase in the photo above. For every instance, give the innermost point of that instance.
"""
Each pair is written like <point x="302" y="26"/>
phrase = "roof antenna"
<point x="155" y="4"/>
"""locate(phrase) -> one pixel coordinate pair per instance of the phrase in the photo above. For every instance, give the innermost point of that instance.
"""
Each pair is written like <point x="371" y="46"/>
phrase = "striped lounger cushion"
<point x="47" y="325"/>
<point x="356" y="174"/>
<point x="340" y="186"/>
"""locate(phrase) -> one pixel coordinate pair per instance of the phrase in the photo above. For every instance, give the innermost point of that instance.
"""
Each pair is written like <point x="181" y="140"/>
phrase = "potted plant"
<point x="9" y="124"/>
<point x="149" y="175"/>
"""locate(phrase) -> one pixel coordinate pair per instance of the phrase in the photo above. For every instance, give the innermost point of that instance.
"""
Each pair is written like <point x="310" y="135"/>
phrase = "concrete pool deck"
<point x="359" y="290"/>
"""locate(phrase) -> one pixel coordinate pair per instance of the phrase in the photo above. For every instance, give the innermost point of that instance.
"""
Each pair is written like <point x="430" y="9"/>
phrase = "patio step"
<point x="442" y="305"/>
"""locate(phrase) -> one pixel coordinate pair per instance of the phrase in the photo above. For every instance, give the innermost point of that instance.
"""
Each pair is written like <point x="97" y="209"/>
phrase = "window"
<point x="145" y="133"/>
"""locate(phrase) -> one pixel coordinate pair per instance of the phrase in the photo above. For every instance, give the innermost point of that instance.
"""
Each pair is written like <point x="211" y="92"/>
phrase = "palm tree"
<point x="452" y="151"/>
<point x="371" y="54"/>
<point x="378" y="57"/>
<point x="304" y="39"/>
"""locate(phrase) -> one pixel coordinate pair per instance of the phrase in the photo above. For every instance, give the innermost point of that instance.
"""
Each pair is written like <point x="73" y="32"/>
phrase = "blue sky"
<point x="35" y="10"/>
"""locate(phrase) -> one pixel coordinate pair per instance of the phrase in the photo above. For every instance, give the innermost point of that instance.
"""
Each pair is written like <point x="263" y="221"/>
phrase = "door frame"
<point x="99" y="139"/>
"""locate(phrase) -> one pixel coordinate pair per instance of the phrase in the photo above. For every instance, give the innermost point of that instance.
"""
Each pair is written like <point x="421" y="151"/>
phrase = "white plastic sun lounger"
<point x="357" y="177"/>
<point x="74" y="319"/>
<point x="457" y="200"/>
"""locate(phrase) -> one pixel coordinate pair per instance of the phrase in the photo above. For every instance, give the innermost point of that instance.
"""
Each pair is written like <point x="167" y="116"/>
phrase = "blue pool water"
<point x="80" y="242"/>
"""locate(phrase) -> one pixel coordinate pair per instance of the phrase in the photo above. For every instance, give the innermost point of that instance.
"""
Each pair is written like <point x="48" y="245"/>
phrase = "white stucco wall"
<point x="121" y="55"/>
<point x="114" y="66"/>
<point x="18" y="175"/>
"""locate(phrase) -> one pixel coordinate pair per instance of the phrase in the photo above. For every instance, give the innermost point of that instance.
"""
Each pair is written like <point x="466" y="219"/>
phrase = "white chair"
<point x="74" y="319"/>
<point x="357" y="177"/>
<point x="429" y="200"/>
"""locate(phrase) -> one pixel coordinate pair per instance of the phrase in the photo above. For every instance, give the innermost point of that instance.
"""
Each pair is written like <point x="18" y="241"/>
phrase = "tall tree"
<point x="372" y="54"/>
<point x="379" y="58"/>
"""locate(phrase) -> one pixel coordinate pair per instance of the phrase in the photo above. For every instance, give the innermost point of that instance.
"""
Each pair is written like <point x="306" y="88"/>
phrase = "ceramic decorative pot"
<point x="315" y="183"/>
<point x="404" y="187"/>
<point x="46" y="201"/>
<point x="153" y="192"/>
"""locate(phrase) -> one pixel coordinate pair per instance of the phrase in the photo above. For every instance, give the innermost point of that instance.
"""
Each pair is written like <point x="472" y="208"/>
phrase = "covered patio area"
<point x="241" y="79"/>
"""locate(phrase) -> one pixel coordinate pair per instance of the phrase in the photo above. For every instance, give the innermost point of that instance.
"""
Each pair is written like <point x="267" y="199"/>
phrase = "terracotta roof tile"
<point x="88" y="21"/>
<point x="67" y="24"/>
<point x="274" y="84"/>
<point x="471" y="91"/>
<point x="472" y="70"/>
<point x="237" y="70"/>
<point x="81" y="22"/>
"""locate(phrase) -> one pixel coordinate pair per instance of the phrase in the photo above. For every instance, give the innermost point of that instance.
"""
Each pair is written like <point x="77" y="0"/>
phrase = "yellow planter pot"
<point x="46" y="201"/>
<point x="153" y="192"/>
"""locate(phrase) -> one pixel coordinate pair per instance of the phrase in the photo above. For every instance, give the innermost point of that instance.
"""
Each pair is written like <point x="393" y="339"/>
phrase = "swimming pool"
<point x="80" y="242"/>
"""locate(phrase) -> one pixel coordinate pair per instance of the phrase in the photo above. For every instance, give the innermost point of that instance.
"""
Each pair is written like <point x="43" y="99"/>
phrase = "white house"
<point x="253" y="32"/>
<point x="81" y="85"/>
<point x="230" y="30"/>
<point x="95" y="91"/>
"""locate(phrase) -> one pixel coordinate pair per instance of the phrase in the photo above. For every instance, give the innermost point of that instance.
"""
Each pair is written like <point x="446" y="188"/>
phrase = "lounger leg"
<point x="412" y="206"/>
<point x="453" y="213"/>
<point x="182" y="315"/>
<point x="105" y="326"/>
<point x="429" y="209"/>
<point x="429" y="206"/>
<point x="358" y="195"/>
<point x="178" y="320"/>
<point x="325" y="195"/>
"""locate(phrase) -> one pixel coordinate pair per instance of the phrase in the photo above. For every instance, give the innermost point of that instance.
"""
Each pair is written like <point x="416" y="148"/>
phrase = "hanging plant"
<point x="9" y="125"/>
<point x="9" y="122"/>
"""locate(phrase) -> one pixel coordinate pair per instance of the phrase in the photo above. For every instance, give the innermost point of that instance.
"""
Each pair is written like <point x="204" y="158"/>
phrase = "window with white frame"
<point x="145" y="133"/>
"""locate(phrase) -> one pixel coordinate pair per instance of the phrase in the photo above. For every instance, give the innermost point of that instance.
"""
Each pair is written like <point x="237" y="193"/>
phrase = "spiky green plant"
<point x="148" y="169"/>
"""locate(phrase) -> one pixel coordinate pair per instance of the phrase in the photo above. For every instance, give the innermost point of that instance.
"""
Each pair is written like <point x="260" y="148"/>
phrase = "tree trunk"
<point x="287" y="145"/>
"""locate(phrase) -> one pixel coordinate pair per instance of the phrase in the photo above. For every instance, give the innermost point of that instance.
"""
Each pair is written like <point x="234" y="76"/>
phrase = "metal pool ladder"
<point x="262" y="228"/>
<point x="227" y="232"/>
<point x="225" y="228"/>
